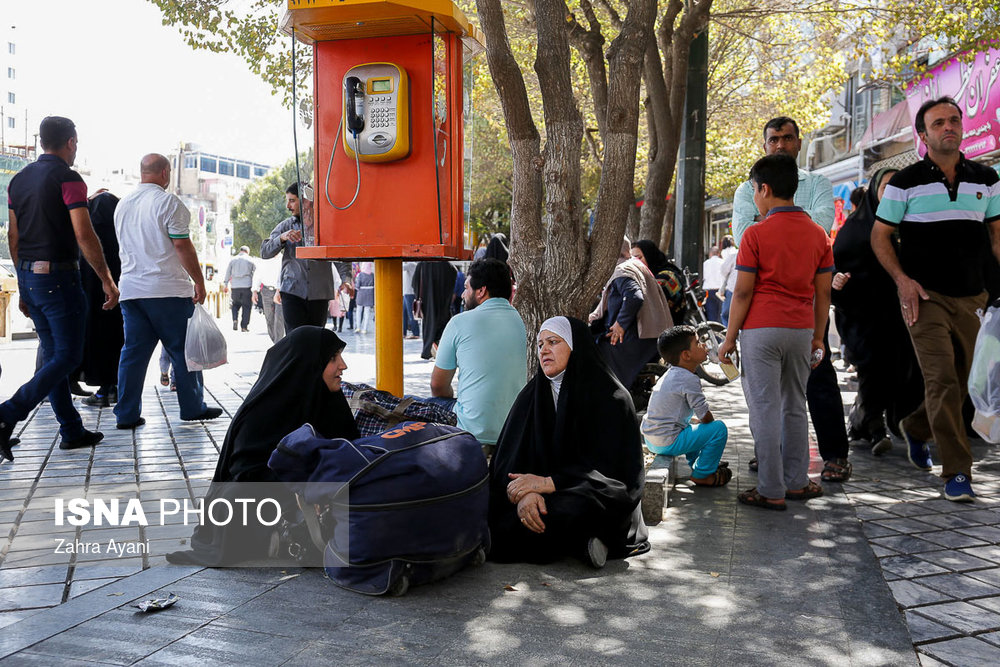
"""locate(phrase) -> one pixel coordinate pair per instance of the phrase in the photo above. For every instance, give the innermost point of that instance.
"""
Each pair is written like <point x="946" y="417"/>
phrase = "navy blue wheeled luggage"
<point x="392" y="510"/>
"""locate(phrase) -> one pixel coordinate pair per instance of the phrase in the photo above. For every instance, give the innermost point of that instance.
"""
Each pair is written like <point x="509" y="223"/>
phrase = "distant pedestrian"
<point x="239" y="278"/>
<point x="49" y="226"/>
<point x="306" y="284"/>
<point x="158" y="264"/>
<point x="711" y="281"/>
<point x="434" y="283"/>
<point x="411" y="326"/>
<point x="265" y="294"/>
<point x="365" y="291"/>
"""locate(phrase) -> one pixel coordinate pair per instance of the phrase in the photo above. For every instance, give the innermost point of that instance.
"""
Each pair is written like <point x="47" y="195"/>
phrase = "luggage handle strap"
<point x="312" y="523"/>
<point x="393" y="417"/>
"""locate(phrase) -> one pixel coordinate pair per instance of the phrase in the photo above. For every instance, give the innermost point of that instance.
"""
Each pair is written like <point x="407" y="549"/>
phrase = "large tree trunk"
<point x="560" y="271"/>
<point x="666" y="88"/>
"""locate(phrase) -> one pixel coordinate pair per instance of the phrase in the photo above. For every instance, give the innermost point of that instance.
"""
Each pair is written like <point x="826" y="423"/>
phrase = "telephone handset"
<point x="354" y="94"/>
<point x="376" y="112"/>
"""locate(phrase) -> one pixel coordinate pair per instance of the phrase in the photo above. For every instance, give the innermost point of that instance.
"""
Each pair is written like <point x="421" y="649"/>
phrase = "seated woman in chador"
<point x="567" y="476"/>
<point x="299" y="383"/>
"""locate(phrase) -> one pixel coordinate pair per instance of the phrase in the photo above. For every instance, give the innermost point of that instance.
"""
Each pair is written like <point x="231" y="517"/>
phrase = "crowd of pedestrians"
<point x="906" y="274"/>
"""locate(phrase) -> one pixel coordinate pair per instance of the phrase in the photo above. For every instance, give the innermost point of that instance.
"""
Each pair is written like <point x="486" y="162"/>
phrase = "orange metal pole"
<point x="389" y="325"/>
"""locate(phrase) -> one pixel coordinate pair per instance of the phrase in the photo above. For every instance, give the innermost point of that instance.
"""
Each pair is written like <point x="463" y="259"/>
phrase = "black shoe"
<point x="131" y="425"/>
<point x="77" y="390"/>
<point x="97" y="400"/>
<point x="244" y="330"/>
<point x="235" y="326"/>
<point x="88" y="439"/>
<point x="209" y="413"/>
<point x="6" y="442"/>
<point x="112" y="394"/>
<point x="753" y="464"/>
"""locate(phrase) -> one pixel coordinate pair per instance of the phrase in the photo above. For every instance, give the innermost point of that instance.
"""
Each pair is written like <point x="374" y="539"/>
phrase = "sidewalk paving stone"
<point x="824" y="583"/>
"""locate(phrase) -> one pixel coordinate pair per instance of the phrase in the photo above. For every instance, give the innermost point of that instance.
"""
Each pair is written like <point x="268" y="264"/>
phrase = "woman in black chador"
<point x="104" y="332"/>
<point x="567" y="476"/>
<point x="298" y="384"/>
<point x="872" y="328"/>
<point x="434" y="285"/>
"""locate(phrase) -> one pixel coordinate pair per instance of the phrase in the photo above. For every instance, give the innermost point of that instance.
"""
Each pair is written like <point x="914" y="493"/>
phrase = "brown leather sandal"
<point x="752" y="497"/>
<point x="836" y="470"/>
<point x="720" y="477"/>
<point x="811" y="490"/>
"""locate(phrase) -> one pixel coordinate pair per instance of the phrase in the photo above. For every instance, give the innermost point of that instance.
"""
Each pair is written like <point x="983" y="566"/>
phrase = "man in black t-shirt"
<point x="49" y="226"/>
<point x="946" y="210"/>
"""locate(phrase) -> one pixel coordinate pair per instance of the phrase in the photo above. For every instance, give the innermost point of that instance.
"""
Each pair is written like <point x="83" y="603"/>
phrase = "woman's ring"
<point x="905" y="307"/>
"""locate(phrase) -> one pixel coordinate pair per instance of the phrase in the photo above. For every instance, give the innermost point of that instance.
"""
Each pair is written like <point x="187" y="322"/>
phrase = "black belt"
<point x="45" y="266"/>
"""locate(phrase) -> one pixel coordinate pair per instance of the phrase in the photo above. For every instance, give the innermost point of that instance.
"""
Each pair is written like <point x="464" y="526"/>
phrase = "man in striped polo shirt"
<point x="941" y="207"/>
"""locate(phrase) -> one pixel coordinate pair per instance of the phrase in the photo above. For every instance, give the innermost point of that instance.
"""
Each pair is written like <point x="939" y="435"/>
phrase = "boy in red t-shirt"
<point x="781" y="304"/>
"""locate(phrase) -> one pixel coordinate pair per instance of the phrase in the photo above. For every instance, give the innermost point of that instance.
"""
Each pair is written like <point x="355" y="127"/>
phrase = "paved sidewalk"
<point x="823" y="583"/>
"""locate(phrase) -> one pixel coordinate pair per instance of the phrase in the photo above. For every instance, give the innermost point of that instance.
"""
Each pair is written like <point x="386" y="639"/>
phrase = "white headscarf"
<point x="560" y="327"/>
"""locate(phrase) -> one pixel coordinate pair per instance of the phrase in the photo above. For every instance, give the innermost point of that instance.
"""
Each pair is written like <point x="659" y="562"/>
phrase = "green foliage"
<point x="783" y="57"/>
<point x="262" y="205"/>
<point x="248" y="28"/>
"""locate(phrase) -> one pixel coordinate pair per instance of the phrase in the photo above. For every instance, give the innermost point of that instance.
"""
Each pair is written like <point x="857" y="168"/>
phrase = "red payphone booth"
<point x="391" y="103"/>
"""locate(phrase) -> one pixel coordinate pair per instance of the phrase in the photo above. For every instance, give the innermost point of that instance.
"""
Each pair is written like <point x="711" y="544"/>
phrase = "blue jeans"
<point x="725" y="307"/>
<point x="148" y="321"/>
<point x="702" y="444"/>
<point x="410" y="324"/>
<point x="713" y="307"/>
<point x="57" y="306"/>
<point x="441" y="401"/>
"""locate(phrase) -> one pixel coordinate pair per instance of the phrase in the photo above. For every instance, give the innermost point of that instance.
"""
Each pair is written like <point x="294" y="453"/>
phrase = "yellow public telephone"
<point x="376" y="113"/>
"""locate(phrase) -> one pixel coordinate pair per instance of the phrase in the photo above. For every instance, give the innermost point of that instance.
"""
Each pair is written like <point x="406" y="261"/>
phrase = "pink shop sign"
<point x="976" y="87"/>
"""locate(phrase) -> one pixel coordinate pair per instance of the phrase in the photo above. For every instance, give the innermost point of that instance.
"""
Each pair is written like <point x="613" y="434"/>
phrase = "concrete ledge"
<point x="660" y="478"/>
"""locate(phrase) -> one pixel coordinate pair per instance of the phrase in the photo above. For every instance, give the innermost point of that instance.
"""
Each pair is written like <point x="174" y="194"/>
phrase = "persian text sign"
<point x="975" y="86"/>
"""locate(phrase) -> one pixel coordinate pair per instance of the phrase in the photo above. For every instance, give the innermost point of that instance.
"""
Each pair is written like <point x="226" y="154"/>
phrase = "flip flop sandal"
<point x="720" y="477"/>
<point x="812" y="490"/>
<point x="836" y="470"/>
<point x="751" y="497"/>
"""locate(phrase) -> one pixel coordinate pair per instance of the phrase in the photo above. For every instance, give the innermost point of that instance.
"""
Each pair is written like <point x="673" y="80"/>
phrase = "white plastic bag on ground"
<point x="205" y="346"/>
<point x="984" y="378"/>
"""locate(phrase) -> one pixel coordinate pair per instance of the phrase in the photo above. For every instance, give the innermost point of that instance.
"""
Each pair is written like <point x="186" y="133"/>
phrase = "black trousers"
<point x="826" y="408"/>
<point x="241" y="297"/>
<point x="889" y="378"/>
<point x="301" y="312"/>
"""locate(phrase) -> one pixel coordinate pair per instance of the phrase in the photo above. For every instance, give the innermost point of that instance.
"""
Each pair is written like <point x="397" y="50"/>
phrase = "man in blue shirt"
<point x="815" y="195"/>
<point x="487" y="344"/>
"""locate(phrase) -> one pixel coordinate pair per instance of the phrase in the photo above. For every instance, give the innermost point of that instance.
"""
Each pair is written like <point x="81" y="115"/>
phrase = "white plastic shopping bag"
<point x="984" y="379"/>
<point x="205" y="346"/>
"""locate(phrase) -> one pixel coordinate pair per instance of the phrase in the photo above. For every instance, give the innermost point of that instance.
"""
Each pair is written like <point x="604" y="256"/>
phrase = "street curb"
<point x="45" y="624"/>
<point x="660" y="477"/>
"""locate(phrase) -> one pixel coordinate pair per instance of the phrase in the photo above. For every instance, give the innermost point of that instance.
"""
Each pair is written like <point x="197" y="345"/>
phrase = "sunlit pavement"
<point x="857" y="577"/>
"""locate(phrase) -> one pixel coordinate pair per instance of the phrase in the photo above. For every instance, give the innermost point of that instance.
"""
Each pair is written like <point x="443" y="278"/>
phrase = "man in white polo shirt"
<point x="486" y="344"/>
<point x="157" y="296"/>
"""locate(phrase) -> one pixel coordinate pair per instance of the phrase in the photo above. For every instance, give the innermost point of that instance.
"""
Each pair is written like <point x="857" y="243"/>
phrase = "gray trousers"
<point x="272" y="314"/>
<point x="775" y="367"/>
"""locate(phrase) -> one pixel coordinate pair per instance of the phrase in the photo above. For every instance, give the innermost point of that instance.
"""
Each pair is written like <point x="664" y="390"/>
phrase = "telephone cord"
<point x="357" y="169"/>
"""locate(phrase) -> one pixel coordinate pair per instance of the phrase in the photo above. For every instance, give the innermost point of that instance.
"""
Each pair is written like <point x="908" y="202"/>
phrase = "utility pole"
<point x="689" y="216"/>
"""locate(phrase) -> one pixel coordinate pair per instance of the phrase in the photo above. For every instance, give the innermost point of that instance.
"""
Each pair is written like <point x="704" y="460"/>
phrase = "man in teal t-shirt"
<point x="486" y="345"/>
